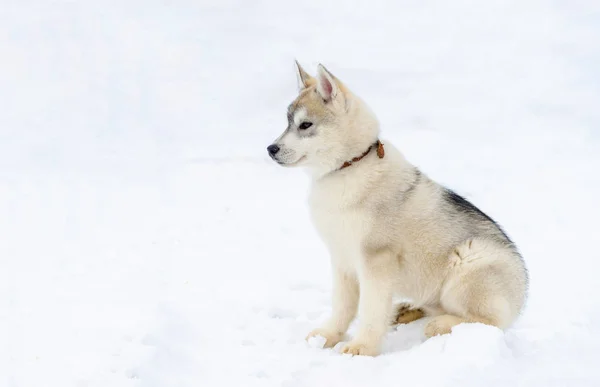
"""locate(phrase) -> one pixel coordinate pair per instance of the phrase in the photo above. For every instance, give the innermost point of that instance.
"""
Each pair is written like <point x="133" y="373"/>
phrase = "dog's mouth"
<point x="292" y="164"/>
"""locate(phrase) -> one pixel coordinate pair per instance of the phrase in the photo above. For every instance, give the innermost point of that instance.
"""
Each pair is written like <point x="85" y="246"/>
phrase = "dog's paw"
<point x="331" y="339"/>
<point x="359" y="348"/>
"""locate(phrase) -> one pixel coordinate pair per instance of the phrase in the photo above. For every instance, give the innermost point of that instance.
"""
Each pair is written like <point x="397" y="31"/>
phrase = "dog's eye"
<point x="305" y="125"/>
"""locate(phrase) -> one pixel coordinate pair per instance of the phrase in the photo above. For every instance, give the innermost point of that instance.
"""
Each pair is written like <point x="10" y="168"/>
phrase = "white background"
<point x="147" y="240"/>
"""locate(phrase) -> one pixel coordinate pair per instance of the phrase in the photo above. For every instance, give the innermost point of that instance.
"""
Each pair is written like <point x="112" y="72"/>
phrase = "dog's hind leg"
<point x="486" y="284"/>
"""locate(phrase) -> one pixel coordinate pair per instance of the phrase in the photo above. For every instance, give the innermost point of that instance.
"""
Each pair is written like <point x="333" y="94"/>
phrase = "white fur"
<point x="299" y="116"/>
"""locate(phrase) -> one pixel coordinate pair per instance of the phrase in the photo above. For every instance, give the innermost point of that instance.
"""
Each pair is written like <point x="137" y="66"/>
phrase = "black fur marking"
<point x="464" y="206"/>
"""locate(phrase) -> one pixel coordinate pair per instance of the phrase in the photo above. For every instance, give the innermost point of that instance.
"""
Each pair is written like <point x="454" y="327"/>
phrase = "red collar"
<point x="380" y="152"/>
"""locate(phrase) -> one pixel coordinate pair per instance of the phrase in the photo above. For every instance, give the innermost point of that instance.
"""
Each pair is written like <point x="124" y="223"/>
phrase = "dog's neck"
<point x="321" y="171"/>
<point x="380" y="153"/>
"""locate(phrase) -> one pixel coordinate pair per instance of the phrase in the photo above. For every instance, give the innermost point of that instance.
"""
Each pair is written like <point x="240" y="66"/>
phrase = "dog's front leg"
<point x="344" y="304"/>
<point x="376" y="277"/>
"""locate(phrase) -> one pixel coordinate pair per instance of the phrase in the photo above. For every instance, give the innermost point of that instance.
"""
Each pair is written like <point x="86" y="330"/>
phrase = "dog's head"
<point x="327" y="124"/>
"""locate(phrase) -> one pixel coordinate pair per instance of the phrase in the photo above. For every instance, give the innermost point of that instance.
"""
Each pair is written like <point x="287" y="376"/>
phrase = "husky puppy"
<point x="391" y="230"/>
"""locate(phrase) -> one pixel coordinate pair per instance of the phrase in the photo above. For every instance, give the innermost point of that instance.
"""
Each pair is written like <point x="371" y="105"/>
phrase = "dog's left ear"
<point x="304" y="79"/>
<point x="327" y="85"/>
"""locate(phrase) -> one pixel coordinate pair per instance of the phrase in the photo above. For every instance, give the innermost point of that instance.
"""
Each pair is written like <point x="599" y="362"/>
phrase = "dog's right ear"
<point x="304" y="79"/>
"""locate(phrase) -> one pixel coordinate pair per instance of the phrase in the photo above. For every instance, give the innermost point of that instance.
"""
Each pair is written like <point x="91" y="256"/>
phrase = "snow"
<point x="147" y="239"/>
<point x="317" y="341"/>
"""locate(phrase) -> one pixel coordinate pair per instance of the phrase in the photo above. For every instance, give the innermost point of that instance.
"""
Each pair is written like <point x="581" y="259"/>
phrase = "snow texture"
<point x="147" y="239"/>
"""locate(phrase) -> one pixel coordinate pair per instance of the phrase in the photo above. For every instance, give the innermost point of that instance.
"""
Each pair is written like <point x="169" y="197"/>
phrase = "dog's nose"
<point x="272" y="149"/>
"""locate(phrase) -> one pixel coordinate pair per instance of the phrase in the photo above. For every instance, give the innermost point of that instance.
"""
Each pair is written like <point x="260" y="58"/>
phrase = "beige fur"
<point x="390" y="230"/>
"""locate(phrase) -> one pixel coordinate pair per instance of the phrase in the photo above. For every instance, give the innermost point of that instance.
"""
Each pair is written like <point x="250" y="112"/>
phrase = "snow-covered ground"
<point x="147" y="240"/>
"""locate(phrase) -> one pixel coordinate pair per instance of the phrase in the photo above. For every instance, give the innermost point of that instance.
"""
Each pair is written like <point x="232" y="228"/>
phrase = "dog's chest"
<point x="342" y="226"/>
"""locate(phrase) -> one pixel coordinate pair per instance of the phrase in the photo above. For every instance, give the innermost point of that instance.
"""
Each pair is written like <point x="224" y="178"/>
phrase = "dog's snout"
<point x="273" y="149"/>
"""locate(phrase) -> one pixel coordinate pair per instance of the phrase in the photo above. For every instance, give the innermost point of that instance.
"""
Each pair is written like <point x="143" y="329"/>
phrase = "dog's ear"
<point x="304" y="79"/>
<point x="327" y="85"/>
